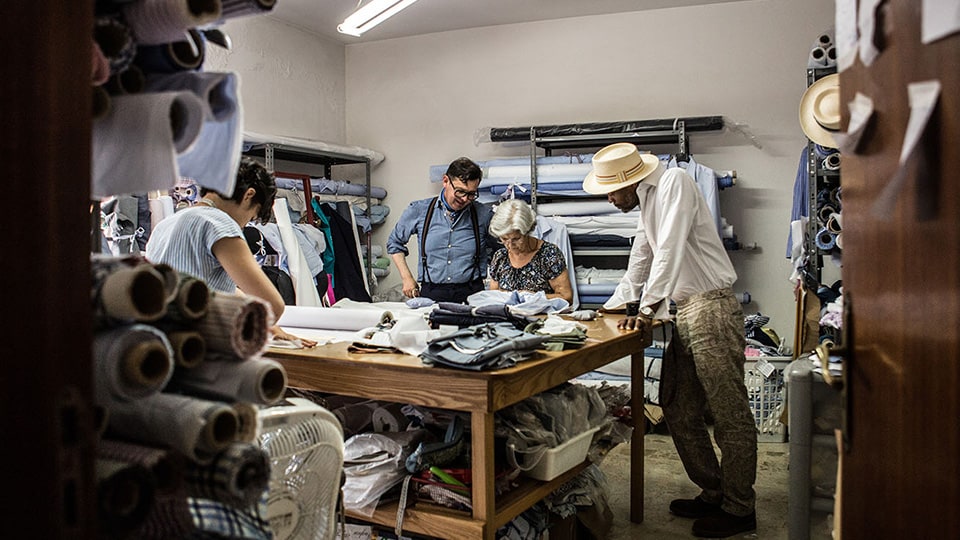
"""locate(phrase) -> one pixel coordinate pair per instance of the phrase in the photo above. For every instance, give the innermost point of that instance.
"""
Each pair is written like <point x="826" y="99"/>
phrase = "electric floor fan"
<point x="305" y="445"/>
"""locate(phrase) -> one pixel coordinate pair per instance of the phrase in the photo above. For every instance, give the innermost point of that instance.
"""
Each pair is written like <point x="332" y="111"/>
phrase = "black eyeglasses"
<point x="469" y="195"/>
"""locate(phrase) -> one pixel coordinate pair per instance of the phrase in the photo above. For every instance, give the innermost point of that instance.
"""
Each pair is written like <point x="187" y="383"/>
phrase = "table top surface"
<point x="404" y="378"/>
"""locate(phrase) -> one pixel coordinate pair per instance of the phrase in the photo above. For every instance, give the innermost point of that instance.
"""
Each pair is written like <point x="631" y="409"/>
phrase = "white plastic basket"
<point x="557" y="460"/>
<point x="767" y="395"/>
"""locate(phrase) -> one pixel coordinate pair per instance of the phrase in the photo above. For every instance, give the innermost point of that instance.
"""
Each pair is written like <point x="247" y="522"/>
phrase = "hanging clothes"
<point x="348" y="272"/>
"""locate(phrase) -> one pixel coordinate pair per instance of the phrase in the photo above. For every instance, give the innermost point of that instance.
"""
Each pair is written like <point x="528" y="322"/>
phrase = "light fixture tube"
<point x="370" y="15"/>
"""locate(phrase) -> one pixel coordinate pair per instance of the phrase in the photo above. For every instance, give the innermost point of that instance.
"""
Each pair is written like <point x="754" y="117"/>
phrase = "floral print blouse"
<point x="547" y="263"/>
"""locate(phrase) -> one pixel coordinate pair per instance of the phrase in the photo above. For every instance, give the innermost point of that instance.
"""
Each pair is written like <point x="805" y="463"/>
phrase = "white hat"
<point x="617" y="166"/>
<point x="820" y="110"/>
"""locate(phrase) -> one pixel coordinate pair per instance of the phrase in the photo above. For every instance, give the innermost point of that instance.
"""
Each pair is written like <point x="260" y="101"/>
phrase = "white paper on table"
<point x="331" y="318"/>
<point x="923" y="99"/>
<point x="939" y="18"/>
<point x="846" y="36"/>
<point x="867" y="20"/>
<point x="861" y="109"/>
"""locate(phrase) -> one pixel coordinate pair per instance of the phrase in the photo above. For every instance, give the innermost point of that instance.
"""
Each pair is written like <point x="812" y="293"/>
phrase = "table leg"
<point x="636" y="441"/>
<point x="482" y="465"/>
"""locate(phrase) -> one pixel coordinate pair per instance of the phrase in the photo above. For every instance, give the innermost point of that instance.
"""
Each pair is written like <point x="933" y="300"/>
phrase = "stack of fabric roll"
<point x="829" y="209"/>
<point x="179" y="377"/>
<point x="152" y="98"/>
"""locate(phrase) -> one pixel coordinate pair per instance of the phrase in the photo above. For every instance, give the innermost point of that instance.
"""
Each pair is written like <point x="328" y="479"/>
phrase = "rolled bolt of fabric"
<point x="825" y="40"/>
<point x="835" y="223"/>
<point x="832" y="162"/>
<point x="826" y="240"/>
<point x="239" y="8"/>
<point x="818" y="58"/>
<point x="824" y="213"/>
<point x="839" y="240"/>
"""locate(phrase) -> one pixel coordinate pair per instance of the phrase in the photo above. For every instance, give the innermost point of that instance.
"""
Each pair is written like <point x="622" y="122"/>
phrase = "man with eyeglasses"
<point x="453" y="239"/>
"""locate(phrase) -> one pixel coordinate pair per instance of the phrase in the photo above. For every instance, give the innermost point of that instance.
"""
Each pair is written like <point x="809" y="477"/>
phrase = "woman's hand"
<point x="280" y="333"/>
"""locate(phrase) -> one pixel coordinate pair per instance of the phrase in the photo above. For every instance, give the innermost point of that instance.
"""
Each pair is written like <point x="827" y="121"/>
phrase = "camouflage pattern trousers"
<point x="702" y="376"/>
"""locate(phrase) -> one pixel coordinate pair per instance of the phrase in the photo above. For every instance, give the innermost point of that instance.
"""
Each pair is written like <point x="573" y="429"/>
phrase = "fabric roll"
<point x="596" y="289"/>
<point x="335" y="318"/>
<point x="255" y="380"/>
<point x="171" y="279"/>
<point x="839" y="240"/>
<point x="825" y="39"/>
<point x="831" y="162"/>
<point x="239" y="8"/>
<point x="389" y="417"/>
<point x="818" y="58"/>
<point x="115" y="41"/>
<point x="189" y="348"/>
<point x="215" y="156"/>
<point x="124" y="291"/>
<point x="190" y="300"/>
<point x="131" y="362"/>
<point x="236" y="324"/>
<point x="195" y="427"/>
<point x="825" y="239"/>
<point x="380" y="272"/>
<point x="165" y="465"/>
<point x="831" y="56"/>
<point x="160" y="208"/>
<point x="249" y="417"/>
<point x="577" y="208"/>
<point x="186" y="54"/>
<point x="129" y="81"/>
<point x="153" y="22"/>
<point x="835" y="223"/>
<point x="823" y="151"/>
<point x="237" y="476"/>
<point x="824" y="213"/>
<point x="836" y="198"/>
<point x="152" y="129"/>
<point x="124" y="496"/>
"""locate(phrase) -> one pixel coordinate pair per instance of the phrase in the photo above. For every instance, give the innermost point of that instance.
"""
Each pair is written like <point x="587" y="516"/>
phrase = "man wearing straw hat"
<point x="678" y="256"/>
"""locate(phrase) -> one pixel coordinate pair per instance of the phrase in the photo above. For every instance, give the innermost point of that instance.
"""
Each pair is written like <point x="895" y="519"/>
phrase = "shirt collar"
<point x="653" y="179"/>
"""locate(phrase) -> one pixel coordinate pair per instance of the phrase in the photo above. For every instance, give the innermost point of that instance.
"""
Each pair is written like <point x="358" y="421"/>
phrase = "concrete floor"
<point x="665" y="480"/>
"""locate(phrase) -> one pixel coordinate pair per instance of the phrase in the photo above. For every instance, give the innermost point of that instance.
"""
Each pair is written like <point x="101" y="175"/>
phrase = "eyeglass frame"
<point x="462" y="193"/>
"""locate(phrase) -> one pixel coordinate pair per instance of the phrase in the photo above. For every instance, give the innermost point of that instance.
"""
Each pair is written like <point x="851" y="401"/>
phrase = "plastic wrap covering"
<point x="695" y="123"/>
<point x="251" y="139"/>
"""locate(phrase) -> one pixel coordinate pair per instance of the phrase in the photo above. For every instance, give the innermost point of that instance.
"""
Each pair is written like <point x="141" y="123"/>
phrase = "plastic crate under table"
<point x="763" y="376"/>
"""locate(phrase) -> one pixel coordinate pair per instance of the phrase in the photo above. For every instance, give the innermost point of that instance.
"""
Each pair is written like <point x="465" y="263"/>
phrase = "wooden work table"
<point x="404" y="379"/>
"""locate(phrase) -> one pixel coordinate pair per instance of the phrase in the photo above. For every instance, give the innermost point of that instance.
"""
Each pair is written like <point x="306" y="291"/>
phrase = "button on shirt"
<point x="677" y="252"/>
<point x="450" y="243"/>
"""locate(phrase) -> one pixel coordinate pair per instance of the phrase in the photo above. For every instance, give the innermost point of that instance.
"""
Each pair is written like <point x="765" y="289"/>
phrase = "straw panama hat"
<point x="820" y="110"/>
<point x="617" y="166"/>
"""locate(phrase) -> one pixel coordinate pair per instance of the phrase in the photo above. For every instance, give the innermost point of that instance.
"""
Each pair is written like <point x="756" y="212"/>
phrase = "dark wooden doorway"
<point x="901" y="470"/>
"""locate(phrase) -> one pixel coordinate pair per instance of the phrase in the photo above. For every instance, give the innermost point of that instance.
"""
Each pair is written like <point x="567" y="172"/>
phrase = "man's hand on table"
<point x="634" y="322"/>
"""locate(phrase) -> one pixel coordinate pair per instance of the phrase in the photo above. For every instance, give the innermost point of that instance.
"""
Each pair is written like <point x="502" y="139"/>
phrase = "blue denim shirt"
<point x="450" y="242"/>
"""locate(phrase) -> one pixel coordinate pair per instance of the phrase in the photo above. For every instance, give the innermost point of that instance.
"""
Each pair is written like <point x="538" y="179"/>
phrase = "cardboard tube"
<point x="188" y="346"/>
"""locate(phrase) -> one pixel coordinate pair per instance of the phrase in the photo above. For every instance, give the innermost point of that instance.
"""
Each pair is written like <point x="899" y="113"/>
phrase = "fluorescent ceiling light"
<point x="370" y="15"/>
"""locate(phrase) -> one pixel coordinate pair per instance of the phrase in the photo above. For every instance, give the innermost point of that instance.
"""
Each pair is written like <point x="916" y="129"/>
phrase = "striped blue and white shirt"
<point x="185" y="241"/>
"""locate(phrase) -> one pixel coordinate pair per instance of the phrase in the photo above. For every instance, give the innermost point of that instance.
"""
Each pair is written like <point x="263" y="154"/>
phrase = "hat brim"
<point x="590" y="184"/>
<point x="808" y="123"/>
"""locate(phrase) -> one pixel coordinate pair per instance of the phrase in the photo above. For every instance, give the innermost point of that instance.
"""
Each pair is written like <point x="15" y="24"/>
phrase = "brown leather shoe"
<point x="724" y="524"/>
<point x="693" y="508"/>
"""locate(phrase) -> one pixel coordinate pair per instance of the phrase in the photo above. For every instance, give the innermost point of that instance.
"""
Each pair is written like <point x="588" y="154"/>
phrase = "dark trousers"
<point x="450" y="292"/>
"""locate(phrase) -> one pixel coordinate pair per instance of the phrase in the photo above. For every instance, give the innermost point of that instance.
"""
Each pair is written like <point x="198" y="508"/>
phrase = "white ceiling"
<point x="429" y="16"/>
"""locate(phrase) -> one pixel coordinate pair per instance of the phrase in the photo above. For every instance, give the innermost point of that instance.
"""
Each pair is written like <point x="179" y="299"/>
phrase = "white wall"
<point x="291" y="81"/>
<point x="419" y="100"/>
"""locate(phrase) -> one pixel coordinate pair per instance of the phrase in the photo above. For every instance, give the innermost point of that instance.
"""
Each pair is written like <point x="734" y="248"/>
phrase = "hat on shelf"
<point x="820" y="110"/>
<point x="617" y="166"/>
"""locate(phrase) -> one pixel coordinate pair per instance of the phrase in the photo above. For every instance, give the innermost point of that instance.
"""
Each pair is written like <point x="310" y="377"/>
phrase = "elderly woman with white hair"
<point x="525" y="263"/>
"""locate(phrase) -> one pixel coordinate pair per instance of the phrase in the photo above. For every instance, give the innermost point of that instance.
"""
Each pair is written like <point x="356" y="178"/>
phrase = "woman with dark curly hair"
<point x="206" y="240"/>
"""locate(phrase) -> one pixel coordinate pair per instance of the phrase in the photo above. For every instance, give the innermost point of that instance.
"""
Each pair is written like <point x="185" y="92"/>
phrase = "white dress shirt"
<point x="677" y="252"/>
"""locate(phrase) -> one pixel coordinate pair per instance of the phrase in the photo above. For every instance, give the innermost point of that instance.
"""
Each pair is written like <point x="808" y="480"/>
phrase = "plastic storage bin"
<point x="560" y="459"/>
